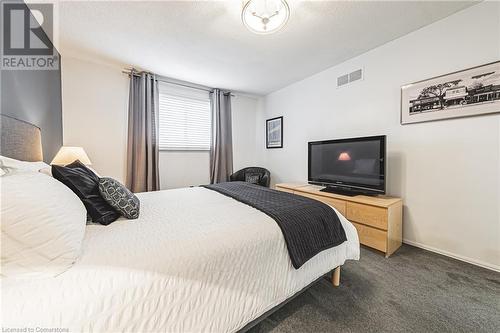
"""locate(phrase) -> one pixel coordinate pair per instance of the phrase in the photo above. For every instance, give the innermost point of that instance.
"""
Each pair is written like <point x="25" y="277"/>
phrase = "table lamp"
<point x="67" y="155"/>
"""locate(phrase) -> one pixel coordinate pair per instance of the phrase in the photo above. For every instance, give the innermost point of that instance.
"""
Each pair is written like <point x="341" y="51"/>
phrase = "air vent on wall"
<point x="348" y="78"/>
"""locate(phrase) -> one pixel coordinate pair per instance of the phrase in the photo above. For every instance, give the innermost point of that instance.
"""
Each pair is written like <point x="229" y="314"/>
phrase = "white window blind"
<point x="184" y="119"/>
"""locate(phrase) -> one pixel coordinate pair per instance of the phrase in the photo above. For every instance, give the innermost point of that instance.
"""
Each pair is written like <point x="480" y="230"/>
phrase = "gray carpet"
<point x="412" y="291"/>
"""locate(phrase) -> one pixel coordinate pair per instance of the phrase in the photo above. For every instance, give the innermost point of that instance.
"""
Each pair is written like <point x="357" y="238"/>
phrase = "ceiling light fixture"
<point x="265" y="16"/>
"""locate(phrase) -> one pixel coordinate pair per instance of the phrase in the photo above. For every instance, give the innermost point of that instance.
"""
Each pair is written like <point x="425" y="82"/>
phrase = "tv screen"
<point x="353" y="163"/>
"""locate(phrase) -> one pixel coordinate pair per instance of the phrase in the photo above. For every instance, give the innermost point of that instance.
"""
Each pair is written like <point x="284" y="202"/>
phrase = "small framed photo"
<point x="469" y="92"/>
<point x="274" y="132"/>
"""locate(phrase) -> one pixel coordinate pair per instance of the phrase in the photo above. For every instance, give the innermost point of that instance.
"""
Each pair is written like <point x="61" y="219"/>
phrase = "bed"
<point x="194" y="261"/>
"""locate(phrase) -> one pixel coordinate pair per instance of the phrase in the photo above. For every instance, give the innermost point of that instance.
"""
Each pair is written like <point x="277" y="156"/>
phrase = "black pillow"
<point x="252" y="177"/>
<point x="119" y="197"/>
<point x="85" y="183"/>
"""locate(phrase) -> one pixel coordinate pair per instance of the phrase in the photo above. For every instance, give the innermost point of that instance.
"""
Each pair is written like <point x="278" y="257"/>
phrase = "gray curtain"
<point x="142" y="148"/>
<point x="221" y="147"/>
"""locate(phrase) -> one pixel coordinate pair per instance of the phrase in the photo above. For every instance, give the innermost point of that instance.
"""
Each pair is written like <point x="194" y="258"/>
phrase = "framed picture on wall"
<point x="469" y="92"/>
<point x="274" y="132"/>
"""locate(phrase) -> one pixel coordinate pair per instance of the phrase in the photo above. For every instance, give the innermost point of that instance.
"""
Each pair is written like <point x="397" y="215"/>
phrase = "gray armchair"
<point x="254" y="175"/>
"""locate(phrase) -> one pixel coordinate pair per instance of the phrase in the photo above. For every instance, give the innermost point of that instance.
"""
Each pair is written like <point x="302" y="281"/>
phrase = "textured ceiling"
<point x="206" y="43"/>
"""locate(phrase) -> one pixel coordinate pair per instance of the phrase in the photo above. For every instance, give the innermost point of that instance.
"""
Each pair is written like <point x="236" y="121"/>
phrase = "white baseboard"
<point x="455" y="256"/>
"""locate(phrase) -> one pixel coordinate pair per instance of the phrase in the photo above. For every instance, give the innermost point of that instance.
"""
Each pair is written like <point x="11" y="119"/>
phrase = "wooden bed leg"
<point x="336" y="277"/>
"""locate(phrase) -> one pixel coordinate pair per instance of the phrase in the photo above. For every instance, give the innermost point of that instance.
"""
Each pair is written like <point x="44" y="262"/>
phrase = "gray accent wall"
<point x="35" y="97"/>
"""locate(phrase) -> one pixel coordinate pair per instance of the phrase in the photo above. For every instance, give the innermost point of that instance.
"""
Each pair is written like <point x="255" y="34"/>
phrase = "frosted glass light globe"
<point x="265" y="16"/>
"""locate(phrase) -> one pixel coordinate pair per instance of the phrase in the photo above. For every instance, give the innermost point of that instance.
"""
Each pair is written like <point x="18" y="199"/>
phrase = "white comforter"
<point x="195" y="261"/>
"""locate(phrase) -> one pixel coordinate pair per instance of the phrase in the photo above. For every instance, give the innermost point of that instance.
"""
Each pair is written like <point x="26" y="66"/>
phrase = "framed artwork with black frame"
<point x="469" y="92"/>
<point x="274" y="133"/>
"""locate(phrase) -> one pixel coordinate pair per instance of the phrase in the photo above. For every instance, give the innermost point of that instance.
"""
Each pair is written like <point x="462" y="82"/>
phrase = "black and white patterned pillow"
<point x="252" y="177"/>
<point x="119" y="197"/>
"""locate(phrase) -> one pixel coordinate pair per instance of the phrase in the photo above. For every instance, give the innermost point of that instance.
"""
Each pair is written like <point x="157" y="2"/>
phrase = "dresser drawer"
<point x="283" y="189"/>
<point x="372" y="237"/>
<point x="369" y="215"/>
<point x="338" y="204"/>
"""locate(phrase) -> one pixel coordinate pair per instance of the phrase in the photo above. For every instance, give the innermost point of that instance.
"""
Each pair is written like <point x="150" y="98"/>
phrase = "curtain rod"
<point x="174" y="81"/>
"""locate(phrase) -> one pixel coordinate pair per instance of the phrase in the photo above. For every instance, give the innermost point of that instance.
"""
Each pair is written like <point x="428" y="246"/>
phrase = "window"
<point x="184" y="119"/>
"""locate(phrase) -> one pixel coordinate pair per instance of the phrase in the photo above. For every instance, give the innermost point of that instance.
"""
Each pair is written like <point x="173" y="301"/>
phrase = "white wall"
<point x="95" y="99"/>
<point x="184" y="168"/>
<point x="244" y="112"/>
<point x="446" y="171"/>
<point x="95" y="102"/>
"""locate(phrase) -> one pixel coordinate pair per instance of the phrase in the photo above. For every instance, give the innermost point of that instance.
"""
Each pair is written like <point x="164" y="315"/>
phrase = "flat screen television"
<point x="348" y="166"/>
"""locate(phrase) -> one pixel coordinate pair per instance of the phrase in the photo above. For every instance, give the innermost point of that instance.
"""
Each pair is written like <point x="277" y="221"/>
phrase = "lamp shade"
<point x="67" y="155"/>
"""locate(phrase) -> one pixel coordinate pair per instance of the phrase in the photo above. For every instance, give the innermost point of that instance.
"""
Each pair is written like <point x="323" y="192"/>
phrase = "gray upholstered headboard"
<point x="20" y="140"/>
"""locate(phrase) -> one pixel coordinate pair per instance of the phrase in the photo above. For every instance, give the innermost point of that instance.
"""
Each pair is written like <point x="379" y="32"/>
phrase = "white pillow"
<point x="7" y="163"/>
<point x="48" y="171"/>
<point x="43" y="225"/>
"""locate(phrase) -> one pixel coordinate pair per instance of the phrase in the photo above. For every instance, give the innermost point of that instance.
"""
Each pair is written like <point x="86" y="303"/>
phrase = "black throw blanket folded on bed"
<point x="309" y="226"/>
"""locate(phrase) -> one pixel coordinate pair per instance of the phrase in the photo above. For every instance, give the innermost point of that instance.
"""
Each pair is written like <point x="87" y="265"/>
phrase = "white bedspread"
<point x="195" y="261"/>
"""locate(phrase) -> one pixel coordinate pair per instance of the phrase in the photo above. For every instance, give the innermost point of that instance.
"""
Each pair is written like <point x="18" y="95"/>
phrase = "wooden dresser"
<point x="378" y="219"/>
